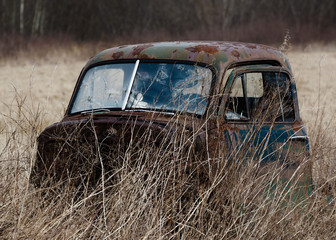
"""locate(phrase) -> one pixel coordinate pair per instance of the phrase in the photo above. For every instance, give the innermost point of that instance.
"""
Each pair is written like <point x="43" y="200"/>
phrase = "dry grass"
<point x="314" y="69"/>
<point x="233" y="205"/>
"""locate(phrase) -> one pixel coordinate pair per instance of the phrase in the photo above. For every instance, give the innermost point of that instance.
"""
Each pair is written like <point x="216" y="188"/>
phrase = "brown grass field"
<point x="36" y="85"/>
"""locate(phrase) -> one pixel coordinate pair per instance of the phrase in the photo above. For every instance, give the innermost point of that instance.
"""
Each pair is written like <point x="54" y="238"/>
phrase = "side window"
<point x="236" y="108"/>
<point x="255" y="94"/>
<point x="277" y="101"/>
<point x="261" y="96"/>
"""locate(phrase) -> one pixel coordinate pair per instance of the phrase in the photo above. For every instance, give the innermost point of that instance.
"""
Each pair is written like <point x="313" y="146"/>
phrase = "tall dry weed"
<point x="166" y="191"/>
<point x="172" y="193"/>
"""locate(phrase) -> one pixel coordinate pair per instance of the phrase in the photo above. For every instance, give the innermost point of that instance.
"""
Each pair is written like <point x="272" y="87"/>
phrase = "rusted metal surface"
<point x="115" y="126"/>
<point x="219" y="54"/>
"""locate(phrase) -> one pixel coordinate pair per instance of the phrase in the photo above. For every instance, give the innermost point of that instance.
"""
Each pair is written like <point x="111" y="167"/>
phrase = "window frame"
<point x="255" y="69"/>
<point x="169" y="61"/>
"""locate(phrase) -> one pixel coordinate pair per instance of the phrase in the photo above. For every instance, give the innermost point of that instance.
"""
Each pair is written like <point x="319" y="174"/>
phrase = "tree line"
<point x="255" y="20"/>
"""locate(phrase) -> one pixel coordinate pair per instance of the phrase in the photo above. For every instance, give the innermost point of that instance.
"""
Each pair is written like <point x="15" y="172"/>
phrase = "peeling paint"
<point x="203" y="48"/>
<point x="235" y="53"/>
<point x="218" y="54"/>
<point x="137" y="50"/>
<point x="117" y="55"/>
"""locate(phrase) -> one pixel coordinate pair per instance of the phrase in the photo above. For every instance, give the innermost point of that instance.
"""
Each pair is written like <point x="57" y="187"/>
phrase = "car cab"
<point x="238" y="99"/>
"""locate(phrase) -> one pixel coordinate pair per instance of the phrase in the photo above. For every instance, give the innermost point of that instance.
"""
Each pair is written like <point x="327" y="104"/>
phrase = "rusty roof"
<point x="218" y="54"/>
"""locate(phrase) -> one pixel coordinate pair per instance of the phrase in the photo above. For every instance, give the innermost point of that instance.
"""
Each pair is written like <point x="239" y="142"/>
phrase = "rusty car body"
<point x="238" y="94"/>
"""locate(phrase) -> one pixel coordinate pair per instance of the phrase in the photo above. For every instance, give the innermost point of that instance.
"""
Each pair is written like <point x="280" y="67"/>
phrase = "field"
<point x="35" y="90"/>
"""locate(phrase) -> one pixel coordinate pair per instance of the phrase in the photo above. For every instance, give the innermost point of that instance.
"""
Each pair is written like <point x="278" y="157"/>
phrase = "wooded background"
<point x="265" y="21"/>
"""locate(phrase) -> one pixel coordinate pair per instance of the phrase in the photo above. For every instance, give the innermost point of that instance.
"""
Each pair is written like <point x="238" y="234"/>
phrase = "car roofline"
<point x="219" y="54"/>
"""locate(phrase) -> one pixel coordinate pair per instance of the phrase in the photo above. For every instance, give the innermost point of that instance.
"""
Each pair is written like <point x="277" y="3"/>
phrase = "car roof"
<point x="221" y="55"/>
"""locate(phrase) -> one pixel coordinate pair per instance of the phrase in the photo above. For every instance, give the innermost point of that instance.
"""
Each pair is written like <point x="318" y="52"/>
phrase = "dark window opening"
<point x="261" y="96"/>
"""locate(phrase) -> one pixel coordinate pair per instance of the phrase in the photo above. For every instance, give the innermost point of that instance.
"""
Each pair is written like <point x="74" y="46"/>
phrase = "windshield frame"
<point x="134" y="61"/>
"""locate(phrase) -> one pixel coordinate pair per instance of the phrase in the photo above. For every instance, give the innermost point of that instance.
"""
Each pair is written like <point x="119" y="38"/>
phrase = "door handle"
<point x="298" y="138"/>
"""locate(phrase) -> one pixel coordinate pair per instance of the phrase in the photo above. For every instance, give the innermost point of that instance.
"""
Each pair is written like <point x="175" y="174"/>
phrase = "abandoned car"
<point x="236" y="99"/>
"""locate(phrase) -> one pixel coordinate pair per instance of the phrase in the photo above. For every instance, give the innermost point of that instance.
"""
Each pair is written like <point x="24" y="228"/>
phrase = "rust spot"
<point x="235" y="53"/>
<point x="138" y="49"/>
<point x="203" y="48"/>
<point x="231" y="127"/>
<point x="297" y="126"/>
<point x="252" y="46"/>
<point x="117" y="55"/>
<point x="175" y="51"/>
<point x="143" y="56"/>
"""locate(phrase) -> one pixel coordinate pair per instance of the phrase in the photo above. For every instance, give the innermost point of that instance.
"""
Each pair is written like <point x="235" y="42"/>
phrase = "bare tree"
<point x="216" y="19"/>
<point x="39" y="18"/>
<point x="21" y="17"/>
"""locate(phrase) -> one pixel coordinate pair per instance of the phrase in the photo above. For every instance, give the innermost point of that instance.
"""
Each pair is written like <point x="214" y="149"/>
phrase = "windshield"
<point x="145" y="86"/>
<point x="103" y="86"/>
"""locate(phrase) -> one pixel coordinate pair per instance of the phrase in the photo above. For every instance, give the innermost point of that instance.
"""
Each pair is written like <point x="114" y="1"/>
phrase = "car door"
<point x="260" y="112"/>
